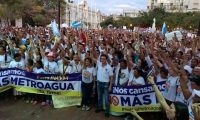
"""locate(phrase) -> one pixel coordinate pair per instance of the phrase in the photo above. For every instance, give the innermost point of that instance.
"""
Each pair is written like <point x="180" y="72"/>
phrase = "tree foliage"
<point x="33" y="12"/>
<point x="172" y="19"/>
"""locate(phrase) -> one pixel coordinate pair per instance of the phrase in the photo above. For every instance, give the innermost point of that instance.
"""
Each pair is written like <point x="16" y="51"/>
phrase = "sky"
<point x="116" y="6"/>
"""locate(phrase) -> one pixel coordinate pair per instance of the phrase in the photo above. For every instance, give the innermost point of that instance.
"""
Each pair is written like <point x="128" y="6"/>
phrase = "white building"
<point x="82" y="12"/>
<point x="132" y="13"/>
<point x="175" y="5"/>
<point x="15" y="22"/>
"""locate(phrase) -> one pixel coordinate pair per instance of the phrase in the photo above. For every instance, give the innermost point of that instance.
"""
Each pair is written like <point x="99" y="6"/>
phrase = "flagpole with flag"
<point x="164" y="29"/>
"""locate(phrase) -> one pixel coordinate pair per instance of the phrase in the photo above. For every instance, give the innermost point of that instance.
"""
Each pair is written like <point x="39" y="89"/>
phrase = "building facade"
<point x="175" y="5"/>
<point x="82" y="12"/>
<point x="132" y="13"/>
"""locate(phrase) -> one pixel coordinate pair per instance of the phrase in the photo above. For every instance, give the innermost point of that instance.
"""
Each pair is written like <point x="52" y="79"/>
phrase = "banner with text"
<point x="66" y="101"/>
<point x="49" y="84"/>
<point x="142" y="99"/>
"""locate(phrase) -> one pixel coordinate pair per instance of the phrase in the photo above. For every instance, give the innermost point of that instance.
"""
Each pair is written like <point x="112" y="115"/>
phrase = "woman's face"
<point x="37" y="65"/>
<point x="163" y="75"/>
<point x="171" y="71"/>
<point x="194" y="63"/>
<point x="87" y="63"/>
<point x="36" y="51"/>
<point x="37" y="58"/>
<point x="171" y="113"/>
<point x="139" y="63"/>
<point x="136" y="74"/>
<point x="50" y="59"/>
<point x="87" y="54"/>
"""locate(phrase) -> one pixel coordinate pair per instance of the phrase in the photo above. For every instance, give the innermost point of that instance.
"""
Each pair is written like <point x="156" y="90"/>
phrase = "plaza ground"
<point x="19" y="110"/>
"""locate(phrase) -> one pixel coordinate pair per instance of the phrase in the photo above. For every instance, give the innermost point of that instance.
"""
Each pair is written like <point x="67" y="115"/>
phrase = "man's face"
<point x="103" y="59"/>
<point x="196" y="72"/>
<point x="178" y="55"/>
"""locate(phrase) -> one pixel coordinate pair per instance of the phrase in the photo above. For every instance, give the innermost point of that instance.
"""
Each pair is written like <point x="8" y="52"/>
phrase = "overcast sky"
<point x="116" y="6"/>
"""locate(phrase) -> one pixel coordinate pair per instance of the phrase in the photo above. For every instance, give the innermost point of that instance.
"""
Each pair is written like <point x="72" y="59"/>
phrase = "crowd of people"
<point x="109" y="57"/>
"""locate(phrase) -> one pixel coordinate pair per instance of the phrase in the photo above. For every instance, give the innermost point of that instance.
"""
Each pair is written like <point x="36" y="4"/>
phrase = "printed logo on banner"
<point x="115" y="100"/>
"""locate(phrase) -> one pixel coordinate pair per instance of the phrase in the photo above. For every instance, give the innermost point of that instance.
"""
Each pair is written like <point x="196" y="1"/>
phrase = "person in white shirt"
<point x="38" y="69"/>
<point x="4" y="58"/>
<point x="136" y="79"/>
<point x="65" y="68"/>
<point x="121" y="78"/>
<point x="191" y="97"/>
<point x="88" y="82"/>
<point x="104" y="82"/>
<point x="18" y="62"/>
<point x="76" y="65"/>
<point x="175" y="111"/>
<point x="50" y="67"/>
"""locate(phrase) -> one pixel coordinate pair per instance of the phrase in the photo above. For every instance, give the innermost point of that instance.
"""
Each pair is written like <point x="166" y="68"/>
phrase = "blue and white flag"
<point x="56" y="32"/>
<point x="79" y="24"/>
<point x="164" y="29"/>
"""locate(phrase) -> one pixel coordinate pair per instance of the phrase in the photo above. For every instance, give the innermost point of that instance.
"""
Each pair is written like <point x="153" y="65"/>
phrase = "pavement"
<point x="19" y="110"/>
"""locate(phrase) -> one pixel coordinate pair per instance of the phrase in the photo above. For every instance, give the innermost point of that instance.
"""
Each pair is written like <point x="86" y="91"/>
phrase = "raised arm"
<point x="159" y="95"/>
<point x="92" y="56"/>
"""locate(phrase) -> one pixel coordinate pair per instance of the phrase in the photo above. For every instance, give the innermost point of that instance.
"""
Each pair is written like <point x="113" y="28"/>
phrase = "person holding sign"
<point x="18" y="62"/>
<point x="176" y="111"/>
<point x="104" y="82"/>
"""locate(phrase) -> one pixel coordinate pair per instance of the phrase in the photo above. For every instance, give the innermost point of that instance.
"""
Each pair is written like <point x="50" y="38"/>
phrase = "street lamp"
<point x="59" y="14"/>
<point x="69" y="15"/>
<point x="69" y="1"/>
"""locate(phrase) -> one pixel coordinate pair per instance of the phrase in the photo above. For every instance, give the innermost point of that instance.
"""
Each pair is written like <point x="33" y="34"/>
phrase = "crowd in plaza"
<point x="108" y="57"/>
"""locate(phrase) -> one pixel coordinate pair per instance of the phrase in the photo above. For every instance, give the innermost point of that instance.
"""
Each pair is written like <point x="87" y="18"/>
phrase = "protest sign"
<point x="66" y="101"/>
<point x="49" y="84"/>
<point x="169" y="36"/>
<point x="142" y="99"/>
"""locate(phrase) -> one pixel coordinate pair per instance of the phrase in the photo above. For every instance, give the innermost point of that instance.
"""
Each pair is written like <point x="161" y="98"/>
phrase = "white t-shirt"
<point x="179" y="95"/>
<point x="124" y="76"/>
<point x="104" y="73"/>
<point x="136" y="81"/>
<point x="50" y="67"/>
<point x="76" y="68"/>
<point x="20" y="64"/>
<point x="159" y="79"/>
<point x="3" y="62"/>
<point x="87" y="74"/>
<point x="38" y="71"/>
<point x="170" y="89"/>
<point x="190" y="102"/>
<point x="65" y="69"/>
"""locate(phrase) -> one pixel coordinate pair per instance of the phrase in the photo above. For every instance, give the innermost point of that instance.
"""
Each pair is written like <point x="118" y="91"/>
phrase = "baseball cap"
<point x="196" y="79"/>
<point x="197" y="92"/>
<point x="47" y="50"/>
<point x="188" y="68"/>
<point x="51" y="54"/>
<point x="22" y="47"/>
